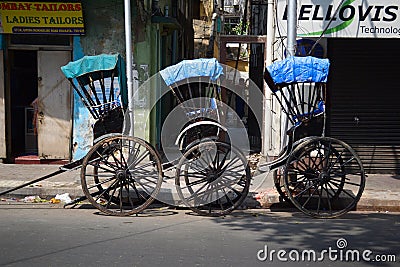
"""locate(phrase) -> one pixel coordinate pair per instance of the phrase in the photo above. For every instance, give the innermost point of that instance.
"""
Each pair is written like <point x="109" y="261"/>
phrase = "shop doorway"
<point x="23" y="92"/>
<point x="39" y="104"/>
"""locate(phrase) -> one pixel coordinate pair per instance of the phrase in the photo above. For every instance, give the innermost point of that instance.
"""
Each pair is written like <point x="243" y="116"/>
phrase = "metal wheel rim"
<point x="324" y="184"/>
<point x="221" y="193"/>
<point x="123" y="178"/>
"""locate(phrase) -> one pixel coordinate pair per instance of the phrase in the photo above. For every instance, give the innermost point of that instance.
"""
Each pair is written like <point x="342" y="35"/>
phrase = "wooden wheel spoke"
<point x="110" y="196"/>
<point x="232" y="173"/>
<point x="328" y="199"/>
<point x="230" y="163"/>
<point x="330" y="189"/>
<point x="237" y="192"/>
<point x="327" y="157"/>
<point x="116" y="160"/>
<point x="132" y="183"/>
<point x="126" y="185"/>
<point x="100" y="175"/>
<point x="300" y="180"/>
<point x="146" y="178"/>
<point x="309" y="197"/>
<point x="193" y="174"/>
<point x="345" y="182"/>
<point x="107" y="189"/>
<point x="104" y="161"/>
<point x="304" y="190"/>
<point x="216" y="160"/>
<point x="208" y="156"/>
<point x="203" y="180"/>
<point x="196" y="194"/>
<point x="139" y="159"/>
<point x="222" y="162"/>
<point x="344" y="191"/>
<point x="141" y="167"/>
<point x="300" y="162"/>
<point x="101" y="183"/>
<point x="338" y="173"/>
<point x="227" y="197"/>
<point x="200" y="162"/>
<point x="196" y="167"/>
<point x="124" y="163"/>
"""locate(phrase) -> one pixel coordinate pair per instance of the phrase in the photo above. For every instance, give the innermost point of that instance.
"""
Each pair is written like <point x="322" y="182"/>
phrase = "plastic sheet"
<point x="299" y="69"/>
<point x="202" y="67"/>
<point x="89" y="64"/>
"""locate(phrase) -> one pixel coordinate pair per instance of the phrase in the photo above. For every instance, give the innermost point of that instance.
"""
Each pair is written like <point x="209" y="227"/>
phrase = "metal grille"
<point x="363" y="100"/>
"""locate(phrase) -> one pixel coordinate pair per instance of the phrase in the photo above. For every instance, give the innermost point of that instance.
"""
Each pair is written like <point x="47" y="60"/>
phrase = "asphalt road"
<point x="37" y="235"/>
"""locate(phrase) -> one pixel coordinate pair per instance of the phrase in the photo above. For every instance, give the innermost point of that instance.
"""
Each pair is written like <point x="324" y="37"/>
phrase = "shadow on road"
<point x="378" y="232"/>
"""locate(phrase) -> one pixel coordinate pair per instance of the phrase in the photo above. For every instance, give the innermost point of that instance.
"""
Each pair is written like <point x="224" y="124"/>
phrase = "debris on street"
<point x="33" y="199"/>
<point x="65" y="198"/>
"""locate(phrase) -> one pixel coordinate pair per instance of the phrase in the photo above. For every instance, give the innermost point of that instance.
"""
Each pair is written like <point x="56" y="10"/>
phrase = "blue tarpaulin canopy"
<point x="108" y="65"/>
<point x="299" y="69"/>
<point x="89" y="64"/>
<point x="202" y="67"/>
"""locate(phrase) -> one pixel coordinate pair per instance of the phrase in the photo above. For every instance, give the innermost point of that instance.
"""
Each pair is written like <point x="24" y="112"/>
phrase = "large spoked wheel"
<point x="213" y="178"/>
<point x="324" y="177"/>
<point x="121" y="175"/>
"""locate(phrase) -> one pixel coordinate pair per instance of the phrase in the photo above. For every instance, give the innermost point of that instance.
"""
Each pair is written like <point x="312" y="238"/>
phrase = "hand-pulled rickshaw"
<point x="123" y="174"/>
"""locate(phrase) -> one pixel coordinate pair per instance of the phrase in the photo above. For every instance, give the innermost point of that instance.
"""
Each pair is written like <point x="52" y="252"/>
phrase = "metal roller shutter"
<point x="363" y="99"/>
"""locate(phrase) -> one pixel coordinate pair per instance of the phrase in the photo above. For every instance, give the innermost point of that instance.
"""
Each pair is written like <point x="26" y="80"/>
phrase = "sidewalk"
<point x="382" y="192"/>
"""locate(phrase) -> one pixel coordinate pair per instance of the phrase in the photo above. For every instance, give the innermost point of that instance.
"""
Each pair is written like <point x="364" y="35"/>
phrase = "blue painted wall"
<point x="104" y="26"/>
<point x="81" y="125"/>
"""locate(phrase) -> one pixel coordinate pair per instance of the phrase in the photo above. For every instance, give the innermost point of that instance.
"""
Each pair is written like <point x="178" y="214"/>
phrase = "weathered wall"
<point x="105" y="33"/>
<point x="82" y="131"/>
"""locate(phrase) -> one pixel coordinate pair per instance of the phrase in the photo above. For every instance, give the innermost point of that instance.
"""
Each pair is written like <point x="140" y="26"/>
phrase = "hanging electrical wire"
<point x="325" y="29"/>
<point x="281" y="38"/>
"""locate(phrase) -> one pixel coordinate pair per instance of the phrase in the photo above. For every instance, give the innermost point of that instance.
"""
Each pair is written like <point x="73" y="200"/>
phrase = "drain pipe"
<point x="291" y="27"/>
<point x="268" y="104"/>
<point x="290" y="51"/>
<point x="128" y="44"/>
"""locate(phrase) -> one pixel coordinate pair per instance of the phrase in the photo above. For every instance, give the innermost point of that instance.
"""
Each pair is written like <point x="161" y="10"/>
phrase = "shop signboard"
<point x="343" y="18"/>
<point x="17" y="17"/>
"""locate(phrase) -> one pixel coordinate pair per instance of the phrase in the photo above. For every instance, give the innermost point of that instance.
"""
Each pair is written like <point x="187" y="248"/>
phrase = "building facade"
<point x="39" y="113"/>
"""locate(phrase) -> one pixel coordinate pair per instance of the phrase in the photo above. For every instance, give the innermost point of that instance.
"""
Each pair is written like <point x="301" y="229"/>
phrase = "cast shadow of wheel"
<point x="344" y="200"/>
<point x="149" y="212"/>
<point x="153" y="210"/>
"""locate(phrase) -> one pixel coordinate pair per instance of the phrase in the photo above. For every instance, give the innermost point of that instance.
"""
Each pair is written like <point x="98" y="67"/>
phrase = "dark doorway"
<point x="256" y="74"/>
<point x="256" y="69"/>
<point x="23" y="92"/>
